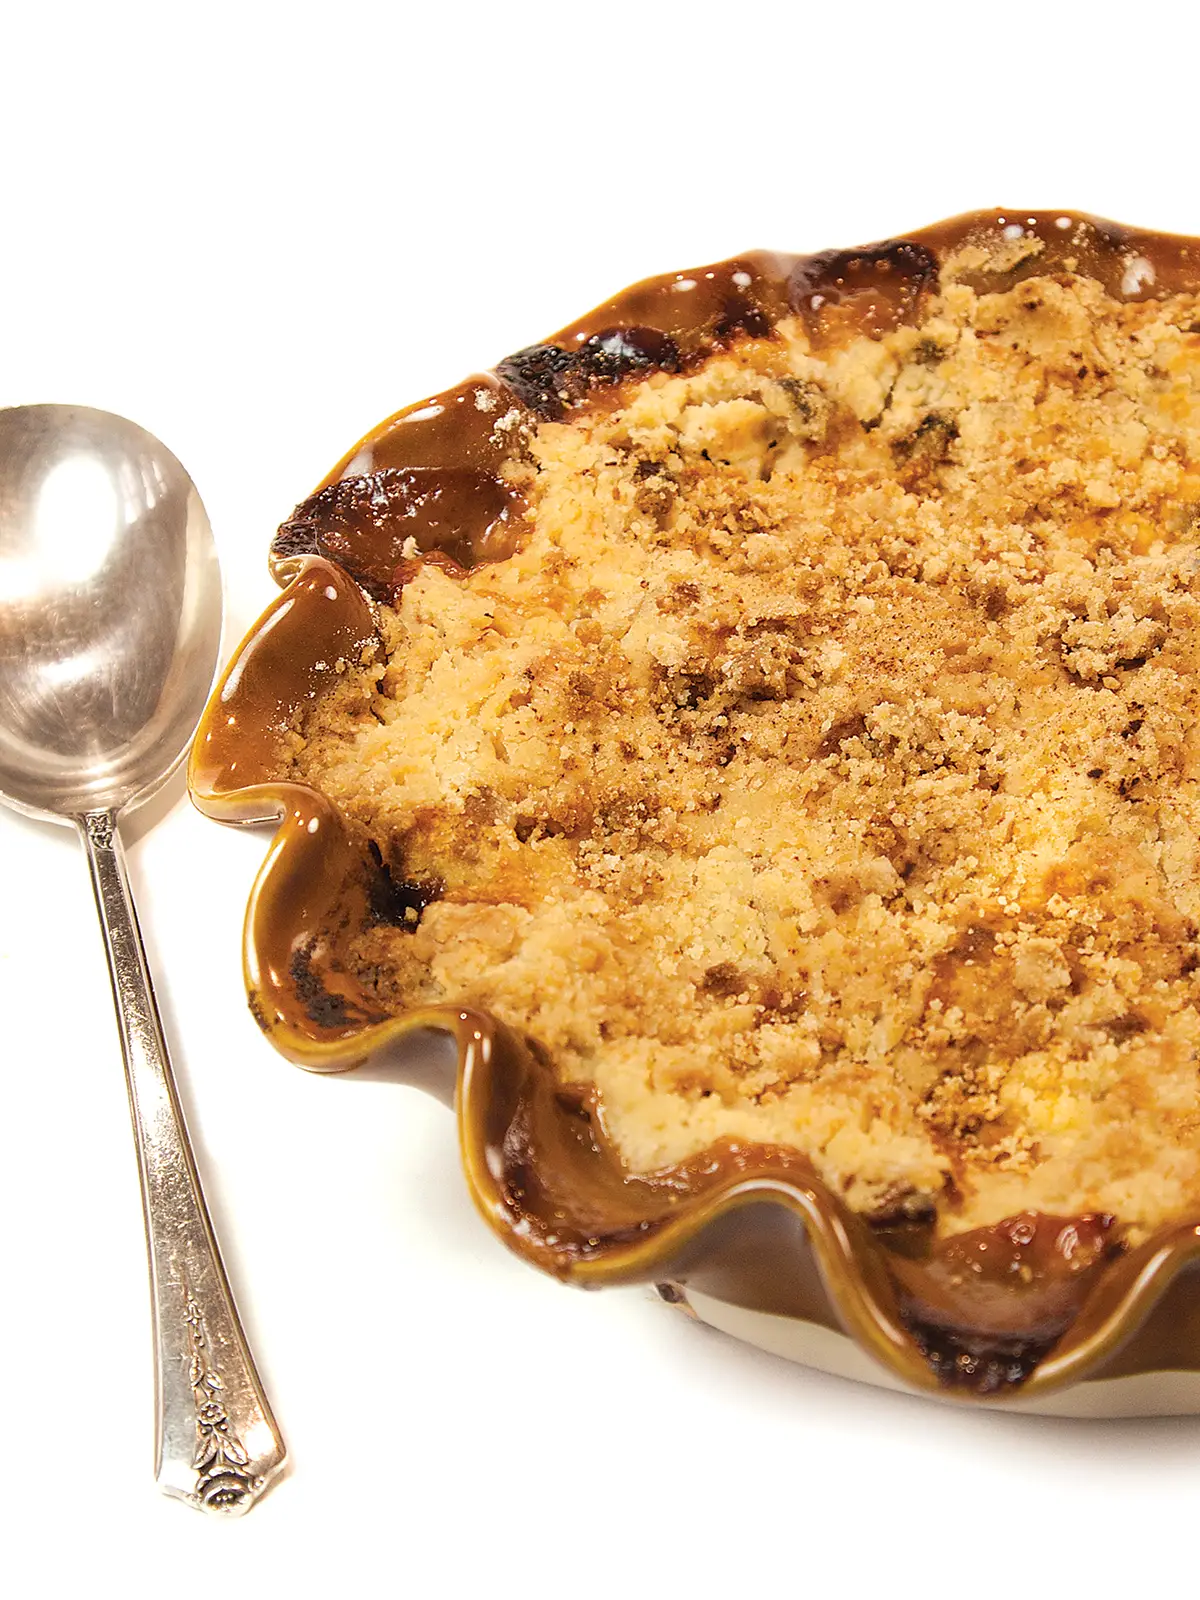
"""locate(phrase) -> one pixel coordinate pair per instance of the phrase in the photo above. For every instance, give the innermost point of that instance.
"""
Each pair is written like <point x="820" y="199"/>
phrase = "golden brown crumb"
<point x="823" y="769"/>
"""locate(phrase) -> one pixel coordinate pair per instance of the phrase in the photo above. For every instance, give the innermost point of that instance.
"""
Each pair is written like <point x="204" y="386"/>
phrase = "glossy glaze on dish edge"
<point x="547" y="1179"/>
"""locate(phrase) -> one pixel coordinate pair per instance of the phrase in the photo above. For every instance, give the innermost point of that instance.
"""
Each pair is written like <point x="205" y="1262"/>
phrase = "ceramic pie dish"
<point x="1042" y="1308"/>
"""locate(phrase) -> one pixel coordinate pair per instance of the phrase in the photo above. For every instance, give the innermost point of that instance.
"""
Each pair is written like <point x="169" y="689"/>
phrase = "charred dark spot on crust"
<point x="981" y="1366"/>
<point x="893" y="276"/>
<point x="298" y="537"/>
<point x="928" y="353"/>
<point x="918" y="454"/>
<point x="723" y="979"/>
<point x="1126" y="1027"/>
<point x="903" y="1208"/>
<point x="542" y="376"/>
<point x="256" y="1010"/>
<point x="743" y="316"/>
<point x="929" y="441"/>
<point x="551" y="380"/>
<point x="811" y="406"/>
<point x="397" y="901"/>
<point x="363" y="523"/>
<point x="609" y="356"/>
<point x="321" y="1006"/>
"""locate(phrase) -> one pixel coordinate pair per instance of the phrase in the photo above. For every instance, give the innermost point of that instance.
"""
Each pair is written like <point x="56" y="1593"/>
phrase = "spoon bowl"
<point x="110" y="611"/>
<point x="110" y="629"/>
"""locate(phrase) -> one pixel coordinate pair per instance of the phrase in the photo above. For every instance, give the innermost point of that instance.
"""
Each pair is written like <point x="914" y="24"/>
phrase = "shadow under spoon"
<point x="110" y="626"/>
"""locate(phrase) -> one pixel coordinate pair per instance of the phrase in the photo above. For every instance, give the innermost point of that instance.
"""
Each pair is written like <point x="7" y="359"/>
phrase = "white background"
<point x="257" y="230"/>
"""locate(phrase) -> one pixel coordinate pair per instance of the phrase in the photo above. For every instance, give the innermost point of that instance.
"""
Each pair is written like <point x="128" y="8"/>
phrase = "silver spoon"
<point x="110" y="625"/>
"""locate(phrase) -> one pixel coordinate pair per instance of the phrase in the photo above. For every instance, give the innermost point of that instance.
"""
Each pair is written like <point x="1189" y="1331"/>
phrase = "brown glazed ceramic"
<point x="748" y="1226"/>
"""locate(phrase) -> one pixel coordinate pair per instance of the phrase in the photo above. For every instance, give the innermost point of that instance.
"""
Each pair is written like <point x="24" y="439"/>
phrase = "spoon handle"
<point x="218" y="1445"/>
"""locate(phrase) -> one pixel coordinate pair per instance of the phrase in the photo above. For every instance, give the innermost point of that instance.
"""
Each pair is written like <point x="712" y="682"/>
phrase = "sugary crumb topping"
<point x="823" y="768"/>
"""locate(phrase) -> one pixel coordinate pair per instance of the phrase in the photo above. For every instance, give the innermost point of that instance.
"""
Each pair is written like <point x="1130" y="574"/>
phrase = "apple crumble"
<point x="819" y="767"/>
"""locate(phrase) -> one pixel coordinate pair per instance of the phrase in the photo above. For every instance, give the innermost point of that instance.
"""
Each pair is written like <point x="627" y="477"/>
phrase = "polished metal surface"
<point x="110" y="624"/>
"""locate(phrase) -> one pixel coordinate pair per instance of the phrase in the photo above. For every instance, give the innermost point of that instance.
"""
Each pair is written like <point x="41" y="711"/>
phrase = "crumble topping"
<point x="822" y="768"/>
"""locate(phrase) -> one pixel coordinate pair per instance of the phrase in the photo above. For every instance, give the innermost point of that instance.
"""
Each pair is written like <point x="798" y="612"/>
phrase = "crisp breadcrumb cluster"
<point x="822" y="769"/>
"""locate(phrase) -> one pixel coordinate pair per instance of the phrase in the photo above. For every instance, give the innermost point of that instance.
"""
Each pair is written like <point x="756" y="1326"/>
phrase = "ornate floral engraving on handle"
<point x="218" y="1444"/>
<point x="225" y="1482"/>
<point x="99" y="825"/>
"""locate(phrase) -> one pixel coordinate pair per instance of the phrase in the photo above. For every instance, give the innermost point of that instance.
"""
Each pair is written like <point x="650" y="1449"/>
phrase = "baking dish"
<point x="747" y="1236"/>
